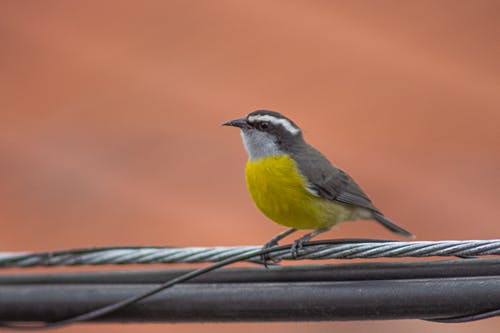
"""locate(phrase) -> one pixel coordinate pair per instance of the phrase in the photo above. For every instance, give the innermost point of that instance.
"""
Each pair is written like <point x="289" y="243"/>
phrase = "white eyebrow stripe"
<point x="276" y="121"/>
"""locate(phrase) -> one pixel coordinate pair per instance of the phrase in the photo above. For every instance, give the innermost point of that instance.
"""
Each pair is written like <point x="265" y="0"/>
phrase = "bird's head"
<point x="267" y="133"/>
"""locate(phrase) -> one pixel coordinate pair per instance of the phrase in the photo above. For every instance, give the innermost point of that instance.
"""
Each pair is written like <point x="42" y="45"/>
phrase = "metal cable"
<point x="341" y="249"/>
<point x="334" y="249"/>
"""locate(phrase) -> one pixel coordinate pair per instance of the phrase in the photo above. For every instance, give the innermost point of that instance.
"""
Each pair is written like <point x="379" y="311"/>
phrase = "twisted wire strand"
<point x="312" y="250"/>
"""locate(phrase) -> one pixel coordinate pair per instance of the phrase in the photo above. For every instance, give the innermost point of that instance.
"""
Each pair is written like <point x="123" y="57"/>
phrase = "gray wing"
<point x="328" y="181"/>
<point x="331" y="183"/>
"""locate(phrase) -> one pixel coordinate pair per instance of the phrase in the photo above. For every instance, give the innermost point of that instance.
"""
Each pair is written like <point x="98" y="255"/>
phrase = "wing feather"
<point x="330" y="182"/>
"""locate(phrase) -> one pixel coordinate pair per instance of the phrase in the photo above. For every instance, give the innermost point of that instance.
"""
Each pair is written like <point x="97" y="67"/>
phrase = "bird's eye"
<point x="264" y="125"/>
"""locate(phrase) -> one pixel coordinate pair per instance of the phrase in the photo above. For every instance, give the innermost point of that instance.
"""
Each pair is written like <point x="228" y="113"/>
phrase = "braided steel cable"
<point x="333" y="249"/>
<point x="350" y="248"/>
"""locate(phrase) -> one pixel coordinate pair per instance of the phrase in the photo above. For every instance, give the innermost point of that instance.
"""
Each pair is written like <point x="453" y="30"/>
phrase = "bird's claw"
<point x="265" y="258"/>
<point x="296" y="247"/>
<point x="271" y="243"/>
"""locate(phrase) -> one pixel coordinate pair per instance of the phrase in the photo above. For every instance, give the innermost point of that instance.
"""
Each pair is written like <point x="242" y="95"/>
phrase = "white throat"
<point x="259" y="144"/>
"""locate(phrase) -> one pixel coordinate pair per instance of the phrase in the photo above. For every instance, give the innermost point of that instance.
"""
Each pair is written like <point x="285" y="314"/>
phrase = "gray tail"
<point x="391" y="225"/>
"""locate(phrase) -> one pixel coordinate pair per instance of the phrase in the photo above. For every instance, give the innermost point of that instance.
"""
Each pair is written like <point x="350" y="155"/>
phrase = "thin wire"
<point x="467" y="318"/>
<point x="121" y="304"/>
<point x="423" y="248"/>
<point x="336" y="249"/>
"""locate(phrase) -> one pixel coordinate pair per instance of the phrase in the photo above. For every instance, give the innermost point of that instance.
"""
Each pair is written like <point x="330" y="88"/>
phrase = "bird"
<point x="295" y="185"/>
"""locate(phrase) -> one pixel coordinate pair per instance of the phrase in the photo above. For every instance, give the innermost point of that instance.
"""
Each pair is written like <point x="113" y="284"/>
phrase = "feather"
<point x="331" y="183"/>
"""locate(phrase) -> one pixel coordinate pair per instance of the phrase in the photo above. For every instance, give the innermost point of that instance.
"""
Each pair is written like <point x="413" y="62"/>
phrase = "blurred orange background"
<point x="111" y="113"/>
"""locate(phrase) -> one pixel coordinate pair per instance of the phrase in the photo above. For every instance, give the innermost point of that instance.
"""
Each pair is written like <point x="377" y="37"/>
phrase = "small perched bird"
<point x="294" y="185"/>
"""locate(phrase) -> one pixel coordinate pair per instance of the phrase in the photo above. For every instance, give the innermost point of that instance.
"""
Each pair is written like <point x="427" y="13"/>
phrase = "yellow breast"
<point x="279" y="191"/>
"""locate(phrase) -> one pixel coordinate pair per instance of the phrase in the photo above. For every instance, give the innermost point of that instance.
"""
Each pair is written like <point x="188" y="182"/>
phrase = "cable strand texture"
<point x="314" y="251"/>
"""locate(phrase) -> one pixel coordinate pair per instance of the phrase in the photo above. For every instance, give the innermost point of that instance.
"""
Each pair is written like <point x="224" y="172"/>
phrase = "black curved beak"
<point x="241" y="123"/>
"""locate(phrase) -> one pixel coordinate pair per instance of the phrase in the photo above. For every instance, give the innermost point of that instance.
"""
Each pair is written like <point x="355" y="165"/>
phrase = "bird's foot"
<point x="299" y="243"/>
<point x="265" y="258"/>
<point x="272" y="243"/>
<point x="297" y="246"/>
